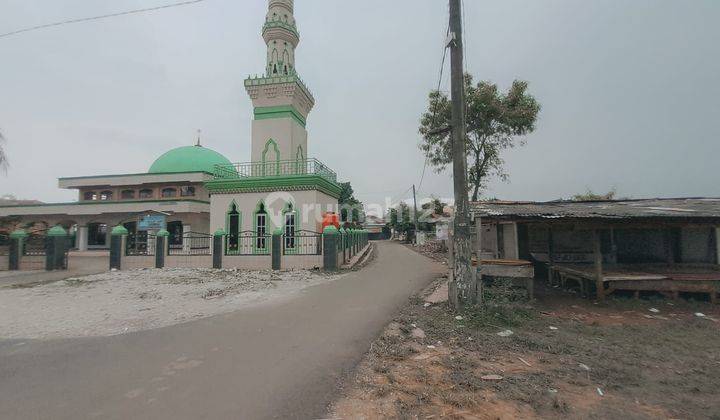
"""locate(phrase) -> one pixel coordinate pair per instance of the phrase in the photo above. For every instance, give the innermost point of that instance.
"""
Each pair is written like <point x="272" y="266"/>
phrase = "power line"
<point x="439" y="84"/>
<point x="70" y="21"/>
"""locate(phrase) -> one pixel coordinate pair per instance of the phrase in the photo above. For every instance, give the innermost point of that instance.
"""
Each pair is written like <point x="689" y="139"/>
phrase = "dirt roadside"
<point x="565" y="357"/>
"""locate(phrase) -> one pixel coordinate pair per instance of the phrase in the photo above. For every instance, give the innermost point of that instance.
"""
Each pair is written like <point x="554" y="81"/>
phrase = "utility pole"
<point x="415" y="220"/>
<point x="463" y="286"/>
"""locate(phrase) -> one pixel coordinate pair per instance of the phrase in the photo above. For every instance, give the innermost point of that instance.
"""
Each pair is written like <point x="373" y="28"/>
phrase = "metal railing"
<point x="277" y="168"/>
<point x="192" y="243"/>
<point x="247" y="243"/>
<point x="302" y="243"/>
<point x="140" y="246"/>
<point x="35" y="244"/>
<point x="271" y="24"/>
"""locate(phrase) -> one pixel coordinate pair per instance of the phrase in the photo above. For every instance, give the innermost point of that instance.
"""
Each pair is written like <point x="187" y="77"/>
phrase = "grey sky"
<point x="629" y="89"/>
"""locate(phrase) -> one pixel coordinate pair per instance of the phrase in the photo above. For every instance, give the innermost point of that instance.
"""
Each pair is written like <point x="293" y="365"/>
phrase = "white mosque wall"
<point x="310" y="206"/>
<point x="285" y="132"/>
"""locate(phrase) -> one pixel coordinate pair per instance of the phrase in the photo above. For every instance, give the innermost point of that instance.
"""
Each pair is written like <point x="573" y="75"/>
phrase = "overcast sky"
<point x="630" y="90"/>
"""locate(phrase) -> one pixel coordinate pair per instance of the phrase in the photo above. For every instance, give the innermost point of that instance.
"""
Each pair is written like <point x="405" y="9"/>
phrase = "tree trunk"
<point x="476" y="181"/>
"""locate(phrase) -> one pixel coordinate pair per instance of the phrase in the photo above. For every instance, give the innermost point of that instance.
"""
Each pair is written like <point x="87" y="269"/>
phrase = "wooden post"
<point x="478" y="237"/>
<point x="551" y="271"/>
<point x="516" y="239"/>
<point x="668" y="242"/>
<point x="717" y="245"/>
<point x="597" y="251"/>
<point x="500" y="248"/>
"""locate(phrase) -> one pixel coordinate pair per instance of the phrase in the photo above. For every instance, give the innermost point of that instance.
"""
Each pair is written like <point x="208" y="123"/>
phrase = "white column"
<point x="82" y="238"/>
<point x="186" y="239"/>
<point x="108" y="235"/>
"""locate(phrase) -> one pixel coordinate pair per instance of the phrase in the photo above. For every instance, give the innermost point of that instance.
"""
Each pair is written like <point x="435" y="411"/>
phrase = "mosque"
<point x="195" y="189"/>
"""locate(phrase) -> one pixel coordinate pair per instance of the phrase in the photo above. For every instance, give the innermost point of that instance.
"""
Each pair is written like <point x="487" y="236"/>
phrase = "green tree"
<point x="495" y="121"/>
<point x="393" y="219"/>
<point x="350" y="207"/>
<point x="435" y="205"/>
<point x="591" y="196"/>
<point x="400" y="218"/>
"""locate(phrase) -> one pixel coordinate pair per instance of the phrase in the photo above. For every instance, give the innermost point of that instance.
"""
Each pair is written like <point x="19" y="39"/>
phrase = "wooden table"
<point x="520" y="272"/>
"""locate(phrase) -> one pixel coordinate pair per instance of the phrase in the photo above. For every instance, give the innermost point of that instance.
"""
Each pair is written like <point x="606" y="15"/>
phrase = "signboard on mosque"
<point x="152" y="222"/>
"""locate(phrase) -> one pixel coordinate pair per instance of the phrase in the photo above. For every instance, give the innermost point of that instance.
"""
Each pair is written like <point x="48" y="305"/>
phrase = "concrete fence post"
<point x="356" y="241"/>
<point x="118" y="237"/>
<point x="343" y="244"/>
<point x="55" y="248"/>
<point x="161" y="248"/>
<point x="276" y="254"/>
<point x="353" y="243"/>
<point x="330" y="245"/>
<point x="17" y="242"/>
<point x="218" y="248"/>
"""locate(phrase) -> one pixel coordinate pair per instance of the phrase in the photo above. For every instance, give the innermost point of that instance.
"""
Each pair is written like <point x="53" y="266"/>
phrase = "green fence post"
<point x="118" y="237"/>
<point x="17" y="242"/>
<point x="218" y="248"/>
<point x="161" y="248"/>
<point x="277" y="249"/>
<point x="55" y="247"/>
<point x="343" y="243"/>
<point x="349" y="232"/>
<point x="356" y="240"/>
<point x="330" y="256"/>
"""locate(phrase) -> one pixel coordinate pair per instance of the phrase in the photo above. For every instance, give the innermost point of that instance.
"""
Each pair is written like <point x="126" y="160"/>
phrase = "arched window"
<point x="169" y="193"/>
<point x="261" y="227"/>
<point x="271" y="159"/>
<point x="146" y="193"/>
<point x="290" y="221"/>
<point x="187" y="191"/>
<point x="106" y="195"/>
<point x="127" y="194"/>
<point x="90" y="195"/>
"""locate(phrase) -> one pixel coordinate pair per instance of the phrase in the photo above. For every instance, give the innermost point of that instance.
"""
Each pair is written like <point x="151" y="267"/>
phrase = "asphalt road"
<point x="279" y="360"/>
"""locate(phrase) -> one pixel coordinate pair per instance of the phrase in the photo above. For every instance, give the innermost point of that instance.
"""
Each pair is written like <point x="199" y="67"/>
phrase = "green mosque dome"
<point x="188" y="159"/>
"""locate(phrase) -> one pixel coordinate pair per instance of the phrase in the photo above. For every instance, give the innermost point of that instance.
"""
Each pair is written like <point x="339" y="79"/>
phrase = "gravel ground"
<point x="124" y="301"/>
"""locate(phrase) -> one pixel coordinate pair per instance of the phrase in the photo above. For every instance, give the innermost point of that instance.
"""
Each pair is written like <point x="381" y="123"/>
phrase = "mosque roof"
<point x="188" y="159"/>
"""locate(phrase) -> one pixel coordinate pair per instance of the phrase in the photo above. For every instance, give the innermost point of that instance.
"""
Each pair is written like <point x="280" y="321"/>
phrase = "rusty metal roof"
<point x="675" y="208"/>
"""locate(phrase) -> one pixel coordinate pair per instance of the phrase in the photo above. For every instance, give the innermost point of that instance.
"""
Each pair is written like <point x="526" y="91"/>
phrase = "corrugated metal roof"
<point x="683" y="208"/>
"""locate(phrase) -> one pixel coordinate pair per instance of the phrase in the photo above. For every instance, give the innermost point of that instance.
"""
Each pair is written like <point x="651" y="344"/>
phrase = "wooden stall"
<point x="669" y="246"/>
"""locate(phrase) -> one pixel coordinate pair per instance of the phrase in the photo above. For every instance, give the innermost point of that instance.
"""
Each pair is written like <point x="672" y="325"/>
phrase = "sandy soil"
<point x="566" y="358"/>
<point x="124" y="301"/>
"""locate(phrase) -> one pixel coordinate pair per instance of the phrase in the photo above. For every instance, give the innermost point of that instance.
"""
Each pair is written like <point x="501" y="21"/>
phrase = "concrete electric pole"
<point x="463" y="287"/>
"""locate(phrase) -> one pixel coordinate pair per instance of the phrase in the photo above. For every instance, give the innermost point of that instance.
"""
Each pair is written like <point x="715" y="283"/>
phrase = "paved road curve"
<point x="275" y="361"/>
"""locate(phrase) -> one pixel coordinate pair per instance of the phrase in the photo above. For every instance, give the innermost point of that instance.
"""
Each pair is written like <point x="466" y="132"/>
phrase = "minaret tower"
<point x="281" y="100"/>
